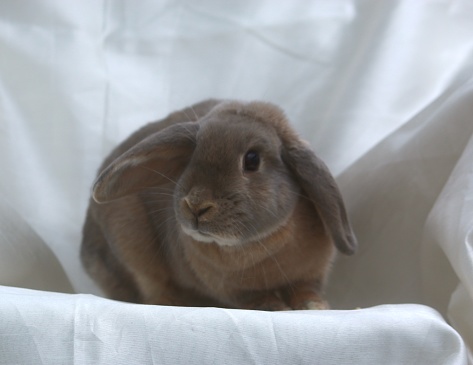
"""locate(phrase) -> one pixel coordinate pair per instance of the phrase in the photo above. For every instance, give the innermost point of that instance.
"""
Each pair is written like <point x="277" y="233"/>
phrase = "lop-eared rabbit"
<point x="220" y="204"/>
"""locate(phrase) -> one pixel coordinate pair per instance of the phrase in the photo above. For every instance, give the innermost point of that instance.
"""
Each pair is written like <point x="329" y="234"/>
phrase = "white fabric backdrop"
<point x="383" y="90"/>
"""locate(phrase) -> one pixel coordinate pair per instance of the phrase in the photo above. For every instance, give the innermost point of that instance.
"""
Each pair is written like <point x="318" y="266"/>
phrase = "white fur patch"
<point x="207" y="238"/>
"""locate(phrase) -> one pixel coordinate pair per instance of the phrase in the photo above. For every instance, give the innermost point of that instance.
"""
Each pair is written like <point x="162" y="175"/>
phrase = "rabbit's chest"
<point x="224" y="273"/>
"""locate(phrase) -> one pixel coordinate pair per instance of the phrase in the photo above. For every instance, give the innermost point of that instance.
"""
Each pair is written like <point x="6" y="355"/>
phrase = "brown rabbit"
<point x="220" y="204"/>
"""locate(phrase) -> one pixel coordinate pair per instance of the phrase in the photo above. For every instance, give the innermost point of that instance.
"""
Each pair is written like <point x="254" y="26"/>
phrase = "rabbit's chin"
<point x="210" y="238"/>
<point x="205" y="237"/>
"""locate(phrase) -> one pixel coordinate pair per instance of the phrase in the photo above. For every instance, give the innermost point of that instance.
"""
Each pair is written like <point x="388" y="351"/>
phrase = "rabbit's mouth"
<point x="206" y="237"/>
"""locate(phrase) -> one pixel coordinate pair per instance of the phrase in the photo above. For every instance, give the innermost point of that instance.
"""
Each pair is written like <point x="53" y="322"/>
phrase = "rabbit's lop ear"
<point x="157" y="159"/>
<point x="318" y="184"/>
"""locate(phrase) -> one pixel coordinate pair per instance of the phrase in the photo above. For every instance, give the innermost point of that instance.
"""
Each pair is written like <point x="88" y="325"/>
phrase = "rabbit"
<point x="220" y="204"/>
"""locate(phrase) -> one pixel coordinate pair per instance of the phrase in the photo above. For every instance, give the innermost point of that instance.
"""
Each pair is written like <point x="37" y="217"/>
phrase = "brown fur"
<point x="270" y="234"/>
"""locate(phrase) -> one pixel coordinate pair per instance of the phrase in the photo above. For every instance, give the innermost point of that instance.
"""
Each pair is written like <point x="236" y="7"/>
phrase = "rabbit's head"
<point x="238" y="172"/>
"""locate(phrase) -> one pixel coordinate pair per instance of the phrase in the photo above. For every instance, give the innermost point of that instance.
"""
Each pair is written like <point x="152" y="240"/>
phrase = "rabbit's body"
<point x="210" y="207"/>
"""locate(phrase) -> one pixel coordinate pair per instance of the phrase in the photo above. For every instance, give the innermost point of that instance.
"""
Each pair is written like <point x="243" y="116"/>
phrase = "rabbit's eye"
<point x="251" y="161"/>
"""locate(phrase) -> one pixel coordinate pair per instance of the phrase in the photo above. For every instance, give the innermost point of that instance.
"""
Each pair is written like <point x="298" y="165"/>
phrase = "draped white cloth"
<point x="383" y="91"/>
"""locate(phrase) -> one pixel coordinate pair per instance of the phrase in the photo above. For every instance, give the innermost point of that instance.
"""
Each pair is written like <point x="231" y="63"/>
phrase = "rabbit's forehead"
<point x="237" y="126"/>
<point x="237" y="133"/>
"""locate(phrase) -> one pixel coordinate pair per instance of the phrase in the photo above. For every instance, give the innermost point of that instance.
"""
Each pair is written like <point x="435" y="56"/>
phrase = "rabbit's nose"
<point x="201" y="209"/>
<point x="198" y="208"/>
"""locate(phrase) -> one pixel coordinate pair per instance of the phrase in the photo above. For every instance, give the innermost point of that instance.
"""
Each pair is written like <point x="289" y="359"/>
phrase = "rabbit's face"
<point x="236" y="188"/>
